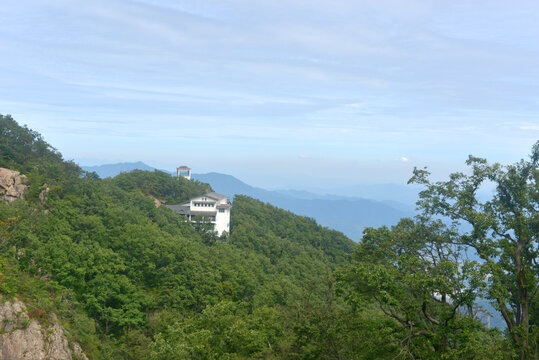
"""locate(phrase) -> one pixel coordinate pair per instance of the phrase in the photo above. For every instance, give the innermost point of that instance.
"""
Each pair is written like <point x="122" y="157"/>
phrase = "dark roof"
<point x="205" y="213"/>
<point x="180" y="209"/>
<point x="183" y="209"/>
<point x="224" y="206"/>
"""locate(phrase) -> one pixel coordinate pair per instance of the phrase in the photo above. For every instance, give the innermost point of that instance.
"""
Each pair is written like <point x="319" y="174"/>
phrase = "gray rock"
<point x="25" y="339"/>
<point x="77" y="351"/>
<point x="12" y="185"/>
<point x="44" y="195"/>
<point x="56" y="343"/>
<point x="23" y="344"/>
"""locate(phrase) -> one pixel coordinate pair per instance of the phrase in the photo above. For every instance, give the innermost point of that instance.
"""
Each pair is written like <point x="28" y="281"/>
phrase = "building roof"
<point x="223" y="206"/>
<point x="215" y="196"/>
<point x="183" y="167"/>
<point x="180" y="209"/>
<point x="183" y="209"/>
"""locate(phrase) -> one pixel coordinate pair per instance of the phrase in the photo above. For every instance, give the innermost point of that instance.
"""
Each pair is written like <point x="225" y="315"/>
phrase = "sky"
<point x="291" y="93"/>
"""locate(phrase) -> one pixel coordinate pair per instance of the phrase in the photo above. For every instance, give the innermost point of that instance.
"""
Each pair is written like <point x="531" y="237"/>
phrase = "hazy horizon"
<point x="277" y="182"/>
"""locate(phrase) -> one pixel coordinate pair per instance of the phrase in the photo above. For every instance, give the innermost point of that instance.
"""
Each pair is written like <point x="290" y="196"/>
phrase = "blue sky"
<point x="279" y="93"/>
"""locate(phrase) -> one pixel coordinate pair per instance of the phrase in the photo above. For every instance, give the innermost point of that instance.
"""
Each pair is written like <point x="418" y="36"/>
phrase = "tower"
<point x="184" y="171"/>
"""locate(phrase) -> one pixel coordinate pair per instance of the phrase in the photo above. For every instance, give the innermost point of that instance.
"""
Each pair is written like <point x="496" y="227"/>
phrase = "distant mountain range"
<point x="347" y="213"/>
<point x="111" y="170"/>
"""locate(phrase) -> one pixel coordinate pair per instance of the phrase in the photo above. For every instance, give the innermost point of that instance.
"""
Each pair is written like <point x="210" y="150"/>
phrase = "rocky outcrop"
<point x="44" y="195"/>
<point x="22" y="338"/>
<point x="12" y="185"/>
<point x="156" y="202"/>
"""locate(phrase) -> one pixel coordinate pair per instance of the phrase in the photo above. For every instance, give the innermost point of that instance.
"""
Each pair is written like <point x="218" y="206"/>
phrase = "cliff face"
<point x="12" y="185"/>
<point x="22" y="338"/>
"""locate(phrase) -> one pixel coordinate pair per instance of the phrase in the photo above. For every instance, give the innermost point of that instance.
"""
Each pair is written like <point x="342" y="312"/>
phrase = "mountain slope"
<point x="141" y="272"/>
<point x="405" y="195"/>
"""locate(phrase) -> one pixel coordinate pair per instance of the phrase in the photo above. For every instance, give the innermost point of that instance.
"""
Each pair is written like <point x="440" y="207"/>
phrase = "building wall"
<point x="206" y="205"/>
<point x="222" y="221"/>
<point x="199" y="199"/>
<point x="184" y="173"/>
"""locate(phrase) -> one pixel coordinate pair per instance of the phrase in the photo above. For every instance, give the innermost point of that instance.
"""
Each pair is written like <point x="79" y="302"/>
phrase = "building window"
<point x="221" y="210"/>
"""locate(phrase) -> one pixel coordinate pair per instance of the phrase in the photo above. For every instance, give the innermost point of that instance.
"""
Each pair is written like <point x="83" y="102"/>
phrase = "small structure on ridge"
<point x="184" y="172"/>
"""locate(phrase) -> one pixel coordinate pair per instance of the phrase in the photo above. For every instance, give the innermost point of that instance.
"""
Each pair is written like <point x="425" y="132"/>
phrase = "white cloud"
<point x="404" y="159"/>
<point x="529" y="127"/>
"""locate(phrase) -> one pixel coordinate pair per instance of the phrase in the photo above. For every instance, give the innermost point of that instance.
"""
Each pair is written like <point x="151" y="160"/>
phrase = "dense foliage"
<point x="130" y="280"/>
<point x="161" y="185"/>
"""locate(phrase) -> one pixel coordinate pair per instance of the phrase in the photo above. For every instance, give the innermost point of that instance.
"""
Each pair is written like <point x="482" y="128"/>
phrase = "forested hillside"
<point x="140" y="273"/>
<point x="130" y="280"/>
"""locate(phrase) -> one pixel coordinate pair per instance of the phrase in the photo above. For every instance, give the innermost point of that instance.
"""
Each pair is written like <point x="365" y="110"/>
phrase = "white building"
<point x="213" y="206"/>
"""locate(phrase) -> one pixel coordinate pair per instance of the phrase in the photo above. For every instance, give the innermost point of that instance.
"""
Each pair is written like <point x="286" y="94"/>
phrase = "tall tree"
<point x="504" y="234"/>
<point x="418" y="278"/>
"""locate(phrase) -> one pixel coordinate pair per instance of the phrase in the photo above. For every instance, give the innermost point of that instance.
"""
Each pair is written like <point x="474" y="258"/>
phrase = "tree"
<point x="22" y="149"/>
<point x="420" y="282"/>
<point x="504" y="234"/>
